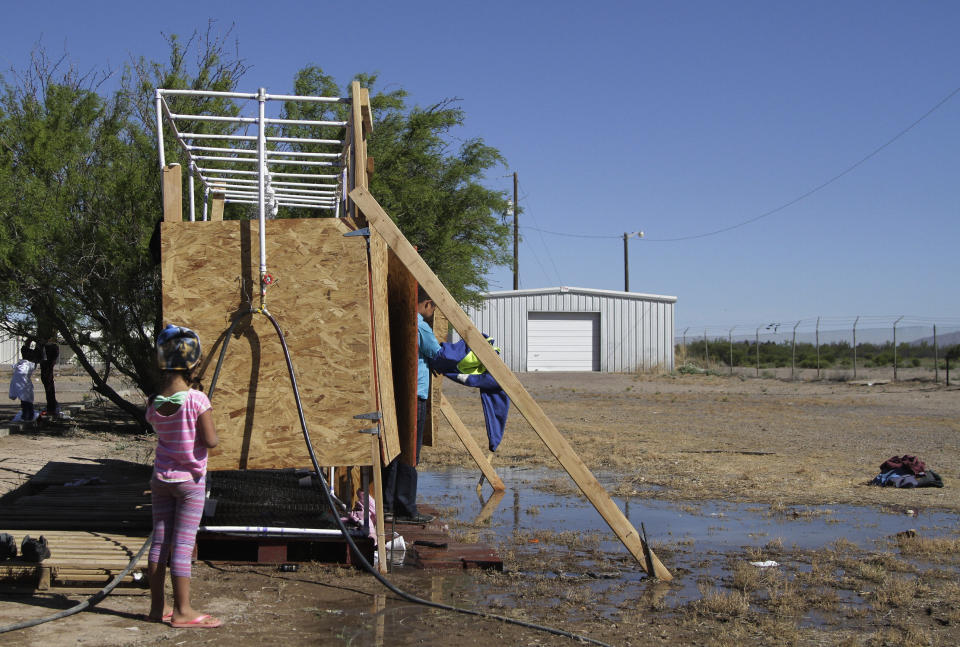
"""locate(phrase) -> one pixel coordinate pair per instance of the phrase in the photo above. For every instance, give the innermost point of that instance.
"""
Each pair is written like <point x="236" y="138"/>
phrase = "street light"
<point x="626" y="258"/>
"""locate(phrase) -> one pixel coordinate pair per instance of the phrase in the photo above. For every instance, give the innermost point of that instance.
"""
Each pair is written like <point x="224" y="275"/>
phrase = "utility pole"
<point x="516" y="237"/>
<point x="626" y="258"/>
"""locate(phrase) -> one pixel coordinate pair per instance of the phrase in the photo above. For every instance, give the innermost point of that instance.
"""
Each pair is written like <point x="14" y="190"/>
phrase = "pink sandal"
<point x="204" y="621"/>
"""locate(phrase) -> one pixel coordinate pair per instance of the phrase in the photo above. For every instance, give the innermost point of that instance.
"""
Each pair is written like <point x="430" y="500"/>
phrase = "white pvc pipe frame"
<point x="271" y="531"/>
<point x="311" y="195"/>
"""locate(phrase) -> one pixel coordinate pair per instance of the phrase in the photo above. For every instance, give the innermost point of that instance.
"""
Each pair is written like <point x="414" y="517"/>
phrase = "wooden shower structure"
<point x="340" y="281"/>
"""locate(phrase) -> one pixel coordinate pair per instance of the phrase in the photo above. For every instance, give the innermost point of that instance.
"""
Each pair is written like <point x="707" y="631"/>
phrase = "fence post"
<point x="685" y="344"/>
<point x="706" y="349"/>
<point x="758" y="351"/>
<point x="818" y="348"/>
<point x="793" y="352"/>
<point x="895" y="347"/>
<point x="936" y="358"/>
<point x="855" y="346"/>
<point x="730" y="339"/>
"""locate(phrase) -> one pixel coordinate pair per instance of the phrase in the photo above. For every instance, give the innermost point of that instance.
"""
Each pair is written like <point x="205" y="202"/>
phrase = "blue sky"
<point x="675" y="118"/>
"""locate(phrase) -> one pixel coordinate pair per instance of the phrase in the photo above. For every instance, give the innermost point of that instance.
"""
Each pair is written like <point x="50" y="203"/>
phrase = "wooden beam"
<point x="472" y="447"/>
<point x="389" y="438"/>
<point x="403" y="344"/>
<point x="440" y="330"/>
<point x="359" y="157"/>
<point x="366" y="113"/>
<point x="526" y="405"/>
<point x="378" y="500"/>
<point x="216" y="207"/>
<point x="172" y="193"/>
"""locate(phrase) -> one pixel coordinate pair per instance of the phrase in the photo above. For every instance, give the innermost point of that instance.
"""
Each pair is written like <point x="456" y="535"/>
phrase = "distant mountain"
<point x="943" y="340"/>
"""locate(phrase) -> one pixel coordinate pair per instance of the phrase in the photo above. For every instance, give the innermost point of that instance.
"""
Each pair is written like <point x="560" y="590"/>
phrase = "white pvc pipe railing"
<point x="261" y="189"/>
<point x="260" y="186"/>
<point x="306" y="122"/>
<point x="271" y="531"/>
<point x="193" y="213"/>
<point x="304" y="153"/>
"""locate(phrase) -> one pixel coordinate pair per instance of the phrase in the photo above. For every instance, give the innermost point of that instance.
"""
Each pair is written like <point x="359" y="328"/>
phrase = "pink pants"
<point x="177" y="509"/>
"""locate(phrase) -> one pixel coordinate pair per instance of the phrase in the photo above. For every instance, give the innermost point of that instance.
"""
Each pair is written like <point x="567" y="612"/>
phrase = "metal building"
<point x="579" y="329"/>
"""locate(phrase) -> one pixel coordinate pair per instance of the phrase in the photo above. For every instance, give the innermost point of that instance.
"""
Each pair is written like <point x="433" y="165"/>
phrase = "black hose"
<point x="353" y="546"/>
<point x="89" y="602"/>
<point x="105" y="591"/>
<point x="100" y="595"/>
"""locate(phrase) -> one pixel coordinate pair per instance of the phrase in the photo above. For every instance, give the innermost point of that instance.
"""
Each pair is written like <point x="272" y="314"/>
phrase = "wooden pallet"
<point x="437" y="550"/>
<point x="115" y="498"/>
<point x="79" y="562"/>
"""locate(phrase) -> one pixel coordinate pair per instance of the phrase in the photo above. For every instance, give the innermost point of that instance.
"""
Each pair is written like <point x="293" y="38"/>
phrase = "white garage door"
<point x="563" y="341"/>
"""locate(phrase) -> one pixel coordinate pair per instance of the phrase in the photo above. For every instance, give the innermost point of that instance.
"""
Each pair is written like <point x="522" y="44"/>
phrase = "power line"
<point x="789" y="203"/>
<point x="546" y="247"/>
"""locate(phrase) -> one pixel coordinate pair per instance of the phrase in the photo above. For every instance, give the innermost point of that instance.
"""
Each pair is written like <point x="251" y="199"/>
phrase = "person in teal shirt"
<point x="400" y="478"/>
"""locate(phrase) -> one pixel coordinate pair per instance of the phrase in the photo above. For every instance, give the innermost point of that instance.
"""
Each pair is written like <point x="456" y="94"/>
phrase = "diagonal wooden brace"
<point x="526" y="405"/>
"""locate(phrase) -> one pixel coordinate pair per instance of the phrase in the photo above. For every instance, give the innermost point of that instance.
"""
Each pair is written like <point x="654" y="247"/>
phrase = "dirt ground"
<point x="685" y="438"/>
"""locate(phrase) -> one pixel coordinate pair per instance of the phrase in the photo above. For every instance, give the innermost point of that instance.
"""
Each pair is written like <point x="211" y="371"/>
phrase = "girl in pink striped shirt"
<point x="183" y="422"/>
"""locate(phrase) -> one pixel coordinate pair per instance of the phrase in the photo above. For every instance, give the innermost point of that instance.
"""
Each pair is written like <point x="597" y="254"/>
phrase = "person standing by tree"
<point x="49" y="354"/>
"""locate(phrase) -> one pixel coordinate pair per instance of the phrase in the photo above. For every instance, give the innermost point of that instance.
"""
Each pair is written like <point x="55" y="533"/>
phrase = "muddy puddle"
<point x="561" y="536"/>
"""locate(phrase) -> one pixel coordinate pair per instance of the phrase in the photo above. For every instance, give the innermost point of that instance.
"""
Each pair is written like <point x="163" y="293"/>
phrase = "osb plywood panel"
<point x="321" y="301"/>
<point x="402" y="296"/>
<point x="389" y="441"/>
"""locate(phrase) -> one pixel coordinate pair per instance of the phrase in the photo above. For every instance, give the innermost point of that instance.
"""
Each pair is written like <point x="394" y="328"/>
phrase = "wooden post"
<point x="472" y="447"/>
<point x="388" y="441"/>
<point x="526" y="405"/>
<point x="389" y="438"/>
<point x="360" y="108"/>
<point x="378" y="500"/>
<point x="172" y="193"/>
<point x="216" y="207"/>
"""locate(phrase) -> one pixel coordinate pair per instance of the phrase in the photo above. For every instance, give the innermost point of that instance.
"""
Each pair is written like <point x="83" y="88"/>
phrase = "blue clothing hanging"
<point x="493" y="399"/>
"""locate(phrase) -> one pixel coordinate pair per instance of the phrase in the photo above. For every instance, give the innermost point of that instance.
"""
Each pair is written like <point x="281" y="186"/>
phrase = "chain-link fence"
<point x="868" y="348"/>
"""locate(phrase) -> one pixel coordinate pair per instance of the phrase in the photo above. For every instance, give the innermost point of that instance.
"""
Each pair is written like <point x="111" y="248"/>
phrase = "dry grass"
<point x="937" y="549"/>
<point x="720" y="604"/>
<point x="896" y="592"/>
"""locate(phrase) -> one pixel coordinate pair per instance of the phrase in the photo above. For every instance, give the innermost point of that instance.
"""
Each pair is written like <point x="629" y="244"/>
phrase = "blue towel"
<point x="493" y="399"/>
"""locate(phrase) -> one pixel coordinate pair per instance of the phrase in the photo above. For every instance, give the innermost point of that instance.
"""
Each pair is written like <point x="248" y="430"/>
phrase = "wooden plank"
<point x="472" y="447"/>
<point x="378" y="502"/>
<point x="172" y="193"/>
<point x="320" y="299"/>
<point x="440" y="327"/>
<point x="402" y="295"/>
<point x="365" y="110"/>
<point x="216" y="207"/>
<point x="525" y="404"/>
<point x="389" y="440"/>
<point x="359" y="156"/>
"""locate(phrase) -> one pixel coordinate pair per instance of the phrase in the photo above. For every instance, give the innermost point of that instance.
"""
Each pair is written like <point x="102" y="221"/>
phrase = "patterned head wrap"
<point x="178" y="349"/>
